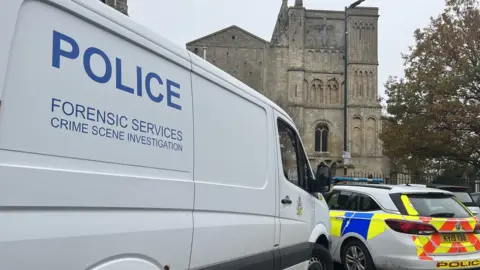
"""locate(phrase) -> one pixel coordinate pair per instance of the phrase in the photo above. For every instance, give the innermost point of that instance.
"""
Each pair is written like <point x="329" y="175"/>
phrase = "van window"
<point x="293" y="163"/>
<point x="306" y="170"/>
<point x="438" y="205"/>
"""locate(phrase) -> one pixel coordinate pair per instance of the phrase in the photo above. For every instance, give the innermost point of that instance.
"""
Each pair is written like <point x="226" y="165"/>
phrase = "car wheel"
<point x="355" y="256"/>
<point x="321" y="259"/>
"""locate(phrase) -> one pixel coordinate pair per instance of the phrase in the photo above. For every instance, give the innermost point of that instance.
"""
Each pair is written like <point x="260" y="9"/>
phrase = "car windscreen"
<point x="465" y="198"/>
<point x="438" y="205"/>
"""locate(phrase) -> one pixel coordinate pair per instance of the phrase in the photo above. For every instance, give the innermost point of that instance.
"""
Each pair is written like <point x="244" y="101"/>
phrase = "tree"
<point x="453" y="173"/>
<point x="434" y="111"/>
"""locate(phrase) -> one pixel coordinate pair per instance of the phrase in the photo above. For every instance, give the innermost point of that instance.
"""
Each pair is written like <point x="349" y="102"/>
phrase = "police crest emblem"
<point x="299" y="206"/>
<point x="458" y="226"/>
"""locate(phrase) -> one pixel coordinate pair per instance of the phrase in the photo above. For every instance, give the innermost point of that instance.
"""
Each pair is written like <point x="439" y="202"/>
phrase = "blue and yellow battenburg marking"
<point x="367" y="225"/>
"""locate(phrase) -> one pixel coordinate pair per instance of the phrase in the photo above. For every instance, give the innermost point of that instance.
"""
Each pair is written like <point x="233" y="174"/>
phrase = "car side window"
<point x="338" y="200"/>
<point x="367" y="203"/>
<point x="332" y="198"/>
<point x="353" y="202"/>
<point x="292" y="162"/>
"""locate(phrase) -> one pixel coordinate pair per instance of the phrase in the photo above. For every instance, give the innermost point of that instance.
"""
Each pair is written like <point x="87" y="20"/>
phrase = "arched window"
<point x="321" y="138"/>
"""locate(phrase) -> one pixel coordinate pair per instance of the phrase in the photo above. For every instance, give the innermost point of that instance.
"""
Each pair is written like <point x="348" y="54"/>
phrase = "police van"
<point x="120" y="150"/>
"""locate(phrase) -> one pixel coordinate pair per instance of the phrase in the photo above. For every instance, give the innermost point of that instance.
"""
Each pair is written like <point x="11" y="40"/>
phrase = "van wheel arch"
<point x="322" y="240"/>
<point x="320" y="258"/>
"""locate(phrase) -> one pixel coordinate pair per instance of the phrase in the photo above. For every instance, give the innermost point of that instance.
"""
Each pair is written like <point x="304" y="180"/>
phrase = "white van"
<point x="119" y="150"/>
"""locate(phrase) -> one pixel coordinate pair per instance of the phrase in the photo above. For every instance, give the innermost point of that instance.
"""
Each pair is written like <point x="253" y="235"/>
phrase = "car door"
<point x="296" y="205"/>
<point x="337" y="202"/>
<point x="359" y="211"/>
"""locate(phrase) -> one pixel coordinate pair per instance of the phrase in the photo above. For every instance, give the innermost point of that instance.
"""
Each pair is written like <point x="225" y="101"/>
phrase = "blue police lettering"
<point x="119" y="78"/>
<point x="154" y="129"/>
<point x="88" y="113"/>
<point x="108" y="133"/>
<point x="87" y="59"/>
<point x="151" y="80"/>
<point x="65" y="124"/>
<point x="139" y="81"/>
<point x="148" y="80"/>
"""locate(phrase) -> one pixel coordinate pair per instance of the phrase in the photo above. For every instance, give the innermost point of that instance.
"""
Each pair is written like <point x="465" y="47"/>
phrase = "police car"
<point x="401" y="227"/>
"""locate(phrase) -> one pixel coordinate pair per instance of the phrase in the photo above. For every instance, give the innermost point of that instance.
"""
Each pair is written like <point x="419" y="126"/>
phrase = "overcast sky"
<point x="182" y="21"/>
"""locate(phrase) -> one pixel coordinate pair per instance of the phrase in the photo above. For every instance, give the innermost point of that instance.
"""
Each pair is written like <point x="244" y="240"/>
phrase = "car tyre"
<point x="355" y="253"/>
<point x="321" y="259"/>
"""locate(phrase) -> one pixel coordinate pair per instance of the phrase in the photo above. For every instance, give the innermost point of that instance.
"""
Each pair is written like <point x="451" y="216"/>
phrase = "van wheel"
<point x="355" y="256"/>
<point x="321" y="259"/>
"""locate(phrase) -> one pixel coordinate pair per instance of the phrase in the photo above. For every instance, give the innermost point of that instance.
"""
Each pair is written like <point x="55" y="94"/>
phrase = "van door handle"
<point x="286" y="200"/>
<point x="340" y="218"/>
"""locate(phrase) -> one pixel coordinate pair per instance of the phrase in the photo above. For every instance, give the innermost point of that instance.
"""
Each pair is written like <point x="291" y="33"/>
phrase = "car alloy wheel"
<point x="355" y="259"/>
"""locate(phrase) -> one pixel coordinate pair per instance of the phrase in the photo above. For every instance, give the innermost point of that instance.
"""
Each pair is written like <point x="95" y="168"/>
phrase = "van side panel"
<point x="96" y="146"/>
<point x="234" y="176"/>
<point x="121" y="97"/>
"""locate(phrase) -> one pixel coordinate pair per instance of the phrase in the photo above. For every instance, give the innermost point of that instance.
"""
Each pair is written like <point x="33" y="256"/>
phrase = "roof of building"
<point x="224" y="30"/>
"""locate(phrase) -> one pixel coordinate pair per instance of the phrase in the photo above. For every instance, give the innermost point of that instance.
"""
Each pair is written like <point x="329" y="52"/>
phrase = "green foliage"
<point x="455" y="173"/>
<point x="435" y="109"/>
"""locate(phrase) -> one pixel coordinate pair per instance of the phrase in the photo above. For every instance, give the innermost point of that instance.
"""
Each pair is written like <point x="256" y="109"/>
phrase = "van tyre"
<point x="355" y="256"/>
<point x="321" y="259"/>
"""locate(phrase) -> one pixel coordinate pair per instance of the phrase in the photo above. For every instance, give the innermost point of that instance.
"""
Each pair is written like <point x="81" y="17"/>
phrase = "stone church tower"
<point x="301" y="69"/>
<point x="120" y="5"/>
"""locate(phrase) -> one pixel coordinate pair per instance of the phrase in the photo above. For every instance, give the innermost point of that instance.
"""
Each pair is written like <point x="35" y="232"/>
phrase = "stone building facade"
<point x="302" y="69"/>
<point x="120" y="5"/>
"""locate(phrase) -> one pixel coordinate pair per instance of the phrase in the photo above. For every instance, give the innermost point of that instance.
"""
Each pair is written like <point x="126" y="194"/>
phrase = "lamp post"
<point x="345" y="88"/>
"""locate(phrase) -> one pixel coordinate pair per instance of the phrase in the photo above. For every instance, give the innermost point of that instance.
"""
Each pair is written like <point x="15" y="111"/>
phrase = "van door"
<point x="234" y="212"/>
<point x="296" y="205"/>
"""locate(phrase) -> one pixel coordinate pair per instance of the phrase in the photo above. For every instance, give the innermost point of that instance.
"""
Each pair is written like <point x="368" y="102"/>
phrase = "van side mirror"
<point x="323" y="180"/>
